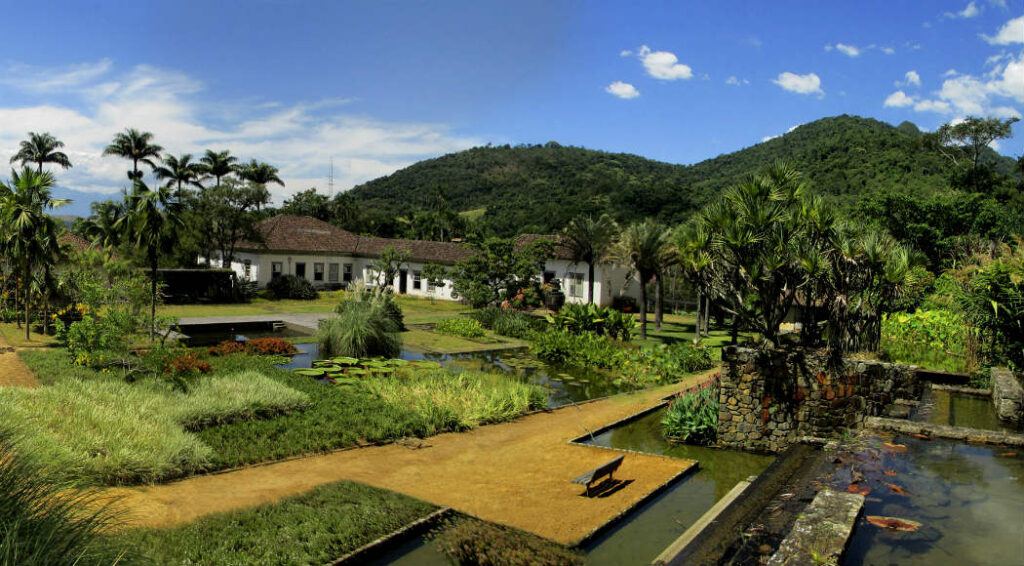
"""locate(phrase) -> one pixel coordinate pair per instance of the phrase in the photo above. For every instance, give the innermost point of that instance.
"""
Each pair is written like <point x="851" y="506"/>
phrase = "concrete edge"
<point x="365" y="552"/>
<point x="961" y="389"/>
<point x="944" y="431"/>
<point x="676" y="549"/>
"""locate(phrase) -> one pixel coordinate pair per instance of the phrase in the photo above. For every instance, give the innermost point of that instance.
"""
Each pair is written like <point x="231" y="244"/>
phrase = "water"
<point x="565" y="384"/>
<point x="969" y="500"/>
<point x="212" y="334"/>
<point x="959" y="409"/>
<point x="641" y="537"/>
<point x="414" y="552"/>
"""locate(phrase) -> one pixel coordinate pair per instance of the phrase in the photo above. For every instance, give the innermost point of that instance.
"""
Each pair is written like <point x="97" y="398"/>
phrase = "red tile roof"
<point x="79" y="243"/>
<point x="561" y="251"/>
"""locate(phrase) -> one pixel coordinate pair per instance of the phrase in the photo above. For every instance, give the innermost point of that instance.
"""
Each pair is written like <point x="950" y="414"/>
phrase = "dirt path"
<point x="516" y="474"/>
<point x="13" y="371"/>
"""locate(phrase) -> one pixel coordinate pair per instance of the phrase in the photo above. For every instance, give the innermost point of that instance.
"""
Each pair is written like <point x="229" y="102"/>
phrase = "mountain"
<point x="538" y="188"/>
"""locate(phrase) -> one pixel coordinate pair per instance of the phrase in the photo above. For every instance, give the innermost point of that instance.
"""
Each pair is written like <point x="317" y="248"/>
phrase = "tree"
<point x="968" y="138"/>
<point x="227" y="214"/>
<point x="23" y="205"/>
<point x="137" y="146"/>
<point x="308" y="203"/>
<point x="259" y="173"/>
<point x="41" y="149"/>
<point x="389" y="265"/>
<point x="218" y="164"/>
<point x="644" y="247"/>
<point x="497" y="268"/>
<point x="589" y="241"/>
<point x="180" y="171"/>
<point x="151" y="217"/>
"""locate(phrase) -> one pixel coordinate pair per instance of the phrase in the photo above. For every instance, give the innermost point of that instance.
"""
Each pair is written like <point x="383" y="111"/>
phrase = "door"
<point x="300" y="270"/>
<point x="403" y="284"/>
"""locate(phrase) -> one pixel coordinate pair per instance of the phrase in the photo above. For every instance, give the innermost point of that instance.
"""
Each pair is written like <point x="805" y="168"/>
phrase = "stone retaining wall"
<point x="1007" y="395"/>
<point x="768" y="399"/>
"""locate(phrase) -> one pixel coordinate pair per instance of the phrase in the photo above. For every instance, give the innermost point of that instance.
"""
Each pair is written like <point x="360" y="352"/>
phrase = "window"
<point x="318" y="272"/>
<point x="416" y="282"/>
<point x="348" y="273"/>
<point x="276" y="269"/>
<point x="247" y="269"/>
<point x="549" y="276"/>
<point x="574" y="284"/>
<point x="332" y="273"/>
<point x="300" y="270"/>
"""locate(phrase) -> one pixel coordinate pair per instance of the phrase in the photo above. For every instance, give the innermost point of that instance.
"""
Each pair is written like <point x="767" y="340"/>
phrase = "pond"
<point x="213" y="334"/>
<point x="969" y="500"/>
<point x="959" y="409"/>
<point x="565" y="384"/>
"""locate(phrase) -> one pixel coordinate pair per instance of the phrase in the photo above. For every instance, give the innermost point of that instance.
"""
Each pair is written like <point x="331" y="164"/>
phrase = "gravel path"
<point x="13" y="371"/>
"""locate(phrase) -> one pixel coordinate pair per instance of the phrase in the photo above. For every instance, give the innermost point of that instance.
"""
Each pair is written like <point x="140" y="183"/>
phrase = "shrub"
<point x="580" y="318"/>
<point x="625" y="303"/>
<point x="361" y="330"/>
<point x="508" y="322"/>
<point x="464" y="327"/>
<point x="666" y="363"/>
<point x="186" y="365"/>
<point x="108" y="431"/>
<point x="43" y="522"/>
<point x="692" y="416"/>
<point x="471" y="542"/>
<point x="255" y="346"/>
<point x="379" y="299"/>
<point x="589" y="350"/>
<point x="939" y="339"/>
<point x="291" y="287"/>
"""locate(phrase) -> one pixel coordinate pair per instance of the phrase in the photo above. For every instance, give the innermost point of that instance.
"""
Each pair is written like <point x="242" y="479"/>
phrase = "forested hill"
<point x="539" y="188"/>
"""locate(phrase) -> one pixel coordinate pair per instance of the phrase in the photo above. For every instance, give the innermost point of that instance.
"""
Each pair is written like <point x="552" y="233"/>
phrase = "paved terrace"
<point x="514" y="473"/>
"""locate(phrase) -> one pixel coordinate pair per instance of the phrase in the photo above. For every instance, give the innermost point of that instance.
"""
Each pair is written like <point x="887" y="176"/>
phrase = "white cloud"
<point x="625" y="53"/>
<point x="848" y="50"/>
<point x="622" y="90"/>
<point x="969" y="11"/>
<point x="766" y="138"/>
<point x="898" y="99"/>
<point x="800" y="84"/>
<point x="932" y="106"/>
<point x="663" y="65"/>
<point x="299" y="139"/>
<point x="38" y="79"/>
<point x="912" y="78"/>
<point x="732" y="80"/>
<point x="993" y="94"/>
<point x="888" y="50"/>
<point x="949" y="73"/>
<point x="1011" y="32"/>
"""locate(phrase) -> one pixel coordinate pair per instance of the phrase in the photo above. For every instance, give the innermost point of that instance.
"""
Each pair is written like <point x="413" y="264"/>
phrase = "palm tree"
<point x="23" y="206"/>
<point x="589" y="241"/>
<point x="218" y="164"/>
<point x="40" y="149"/>
<point x="693" y="242"/>
<point x="645" y="248"/>
<point x="150" y="219"/>
<point x="181" y="171"/>
<point x="259" y="173"/>
<point x="137" y="146"/>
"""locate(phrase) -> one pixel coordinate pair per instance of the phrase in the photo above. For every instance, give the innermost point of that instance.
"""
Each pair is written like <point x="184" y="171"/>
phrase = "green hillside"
<point x="540" y="187"/>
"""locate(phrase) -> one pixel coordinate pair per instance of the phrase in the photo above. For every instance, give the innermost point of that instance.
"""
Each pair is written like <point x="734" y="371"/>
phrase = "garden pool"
<point x="565" y="384"/>
<point x="959" y="409"/>
<point x="212" y="334"/>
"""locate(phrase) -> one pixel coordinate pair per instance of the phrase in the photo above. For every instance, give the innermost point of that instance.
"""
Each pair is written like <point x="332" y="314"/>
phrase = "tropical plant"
<point x="580" y="318"/>
<point x="218" y="164"/>
<point x="692" y="416"/>
<point x="365" y="326"/>
<point x="136" y="146"/>
<point x="180" y="171"/>
<point x="389" y="265"/>
<point x="585" y="350"/>
<point x="41" y="149"/>
<point x="665" y="363"/>
<point x="464" y="327"/>
<point x="589" y="241"/>
<point x="508" y="322"/>
<point x="259" y="173"/>
<point x="992" y="299"/>
<point x="645" y="248"/>
<point x="151" y="218"/>
<point x="28" y="233"/>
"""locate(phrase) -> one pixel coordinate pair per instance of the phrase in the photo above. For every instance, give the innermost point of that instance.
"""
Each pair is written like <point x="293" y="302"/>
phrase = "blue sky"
<point x="379" y="85"/>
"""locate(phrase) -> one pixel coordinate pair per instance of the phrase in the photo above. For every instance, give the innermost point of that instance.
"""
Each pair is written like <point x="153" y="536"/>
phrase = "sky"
<point x="376" y="86"/>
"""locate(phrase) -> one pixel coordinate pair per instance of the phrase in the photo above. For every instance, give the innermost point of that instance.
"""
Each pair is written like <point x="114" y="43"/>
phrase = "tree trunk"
<point x="696" y="328"/>
<point x="590" y="282"/>
<point x="643" y="310"/>
<point x="659" y="299"/>
<point x="707" y="316"/>
<point x="26" y="292"/>
<point x="735" y="328"/>
<point x="152" y="304"/>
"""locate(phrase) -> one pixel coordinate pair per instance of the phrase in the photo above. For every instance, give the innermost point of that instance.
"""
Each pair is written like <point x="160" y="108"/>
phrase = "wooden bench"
<point x="607" y="469"/>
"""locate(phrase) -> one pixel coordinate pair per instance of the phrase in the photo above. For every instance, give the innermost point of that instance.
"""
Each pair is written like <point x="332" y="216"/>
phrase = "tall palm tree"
<point x="259" y="173"/>
<point x="589" y="241"/>
<point x="40" y="149"/>
<point x="181" y="171"/>
<point x="645" y="248"/>
<point x="218" y="164"/>
<point x="137" y="146"/>
<point x="23" y="205"/>
<point x="150" y="219"/>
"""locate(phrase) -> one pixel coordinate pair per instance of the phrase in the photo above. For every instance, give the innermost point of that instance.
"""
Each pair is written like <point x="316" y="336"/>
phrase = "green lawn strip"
<point x="416" y="310"/>
<point x="428" y="341"/>
<point x="15" y="336"/>
<point x="317" y="527"/>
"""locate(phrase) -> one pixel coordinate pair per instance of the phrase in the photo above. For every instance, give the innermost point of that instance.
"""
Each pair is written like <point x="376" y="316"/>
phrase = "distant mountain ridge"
<point x="538" y="188"/>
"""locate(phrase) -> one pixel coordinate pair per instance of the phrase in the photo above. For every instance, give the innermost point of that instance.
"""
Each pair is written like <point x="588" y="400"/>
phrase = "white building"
<point x="331" y="258"/>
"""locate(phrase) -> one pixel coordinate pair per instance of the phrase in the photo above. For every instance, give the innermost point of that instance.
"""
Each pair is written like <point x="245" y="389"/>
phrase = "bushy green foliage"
<point x="291" y="287"/>
<point x="320" y="526"/>
<point x="471" y="542"/>
<point x="992" y="299"/>
<point x="587" y="349"/>
<point x="464" y="327"/>
<point x="508" y="322"/>
<point x="692" y="416"/>
<point x="937" y="339"/>
<point x="498" y="270"/>
<point x="578" y="318"/>
<point x="104" y="430"/>
<point x="666" y="363"/>
<point x="366" y="325"/>
<point x="45" y="522"/>
<point x="459" y="400"/>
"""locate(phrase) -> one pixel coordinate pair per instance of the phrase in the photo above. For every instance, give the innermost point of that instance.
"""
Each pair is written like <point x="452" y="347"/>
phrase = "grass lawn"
<point x="429" y="341"/>
<point x="416" y="310"/>
<point x="314" y="528"/>
<point x="676" y="328"/>
<point x="15" y="336"/>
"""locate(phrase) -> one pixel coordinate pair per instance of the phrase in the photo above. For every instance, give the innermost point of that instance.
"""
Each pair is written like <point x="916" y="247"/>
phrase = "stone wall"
<point x="1007" y="395"/>
<point x="768" y="399"/>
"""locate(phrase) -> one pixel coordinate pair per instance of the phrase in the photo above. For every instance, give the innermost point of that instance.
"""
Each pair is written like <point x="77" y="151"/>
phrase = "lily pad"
<point x="311" y="372"/>
<point x="345" y="360"/>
